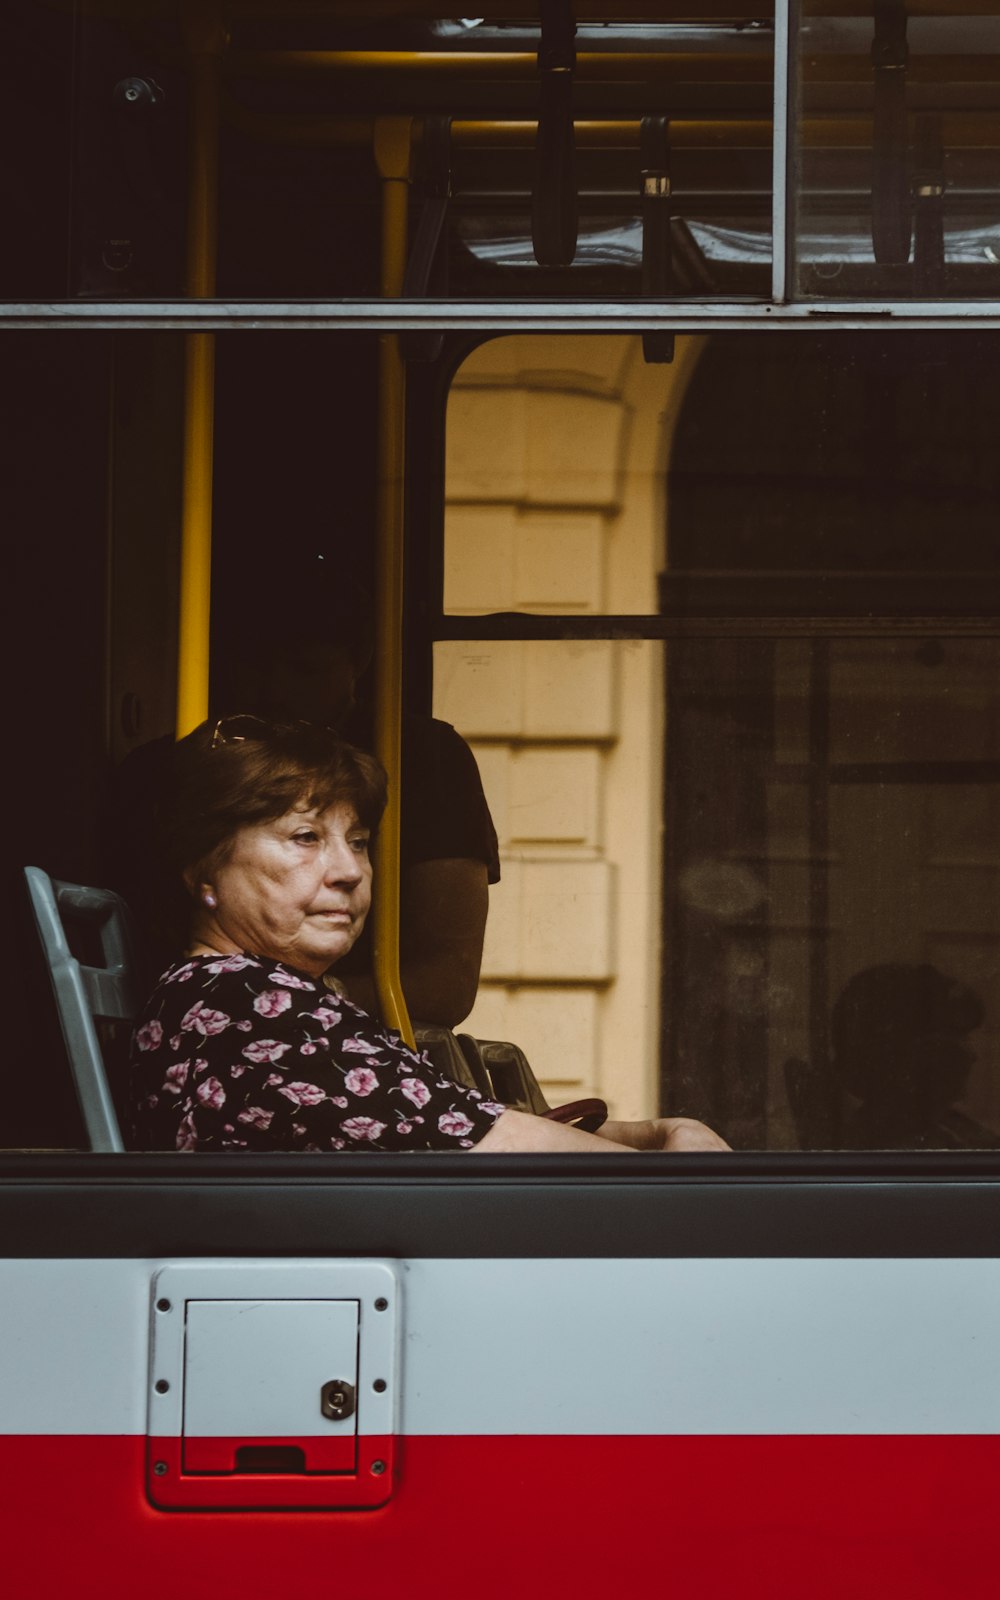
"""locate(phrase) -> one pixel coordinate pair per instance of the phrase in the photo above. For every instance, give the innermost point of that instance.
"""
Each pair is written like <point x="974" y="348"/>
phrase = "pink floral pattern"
<point x="176" y="1076"/>
<point x="326" y="1016"/>
<point x="211" y="1093"/>
<point x="361" y="1081"/>
<point x="353" y="1086"/>
<point x="272" y="1002"/>
<point x="257" y="1117"/>
<point x="455" y="1124"/>
<point x="362" y="1128"/>
<point x="303" y="1094"/>
<point x="204" y="1021"/>
<point x="265" y="1050"/>
<point x="229" y="964"/>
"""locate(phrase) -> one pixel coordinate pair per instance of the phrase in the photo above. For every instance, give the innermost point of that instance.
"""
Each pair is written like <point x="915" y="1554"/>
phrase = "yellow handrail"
<point x="205" y="40"/>
<point x="393" y="139"/>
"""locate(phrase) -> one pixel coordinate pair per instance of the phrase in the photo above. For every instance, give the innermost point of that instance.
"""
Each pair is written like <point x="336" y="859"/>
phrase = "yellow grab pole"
<point x="393" y="137"/>
<point x="205" y="39"/>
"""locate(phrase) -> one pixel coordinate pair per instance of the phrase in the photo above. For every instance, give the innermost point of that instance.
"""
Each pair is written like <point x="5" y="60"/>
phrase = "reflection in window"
<point x="833" y="801"/>
<point x="898" y="153"/>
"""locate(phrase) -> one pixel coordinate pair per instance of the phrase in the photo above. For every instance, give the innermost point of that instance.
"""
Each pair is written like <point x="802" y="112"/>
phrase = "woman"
<point x="242" y="1046"/>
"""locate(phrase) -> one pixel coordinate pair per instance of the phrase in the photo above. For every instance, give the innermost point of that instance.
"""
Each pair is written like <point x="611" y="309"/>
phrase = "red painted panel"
<point x="171" y="1482"/>
<point x="795" y="1518"/>
<point x="335" y="1454"/>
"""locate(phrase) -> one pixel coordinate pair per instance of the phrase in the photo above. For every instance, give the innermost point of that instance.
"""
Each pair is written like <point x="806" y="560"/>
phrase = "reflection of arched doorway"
<point x="832" y="781"/>
<point x="557" y="451"/>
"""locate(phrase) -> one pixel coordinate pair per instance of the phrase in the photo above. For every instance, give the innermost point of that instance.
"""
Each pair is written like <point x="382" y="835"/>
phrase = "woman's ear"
<point x="203" y="893"/>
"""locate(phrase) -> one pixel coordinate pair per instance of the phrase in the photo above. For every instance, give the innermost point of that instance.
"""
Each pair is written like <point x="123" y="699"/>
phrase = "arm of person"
<point x="516" y="1132"/>
<point x="443" y="906"/>
<point x="662" y="1133"/>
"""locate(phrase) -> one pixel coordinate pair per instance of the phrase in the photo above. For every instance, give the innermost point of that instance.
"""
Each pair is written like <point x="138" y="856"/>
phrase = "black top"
<point x="242" y="1053"/>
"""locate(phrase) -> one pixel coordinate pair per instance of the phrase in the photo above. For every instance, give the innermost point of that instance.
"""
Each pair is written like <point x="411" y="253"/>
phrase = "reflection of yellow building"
<point x="556" y="502"/>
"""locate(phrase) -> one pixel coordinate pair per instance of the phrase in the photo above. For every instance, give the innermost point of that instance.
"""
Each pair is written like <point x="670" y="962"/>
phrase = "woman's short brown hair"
<point x="241" y="771"/>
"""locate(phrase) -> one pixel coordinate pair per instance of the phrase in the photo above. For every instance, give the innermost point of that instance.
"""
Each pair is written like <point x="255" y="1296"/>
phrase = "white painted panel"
<point x="704" y="1347"/>
<point x="74" y="1346"/>
<point x="256" y="1367"/>
<point x="281" y="1358"/>
<point x="574" y="1347"/>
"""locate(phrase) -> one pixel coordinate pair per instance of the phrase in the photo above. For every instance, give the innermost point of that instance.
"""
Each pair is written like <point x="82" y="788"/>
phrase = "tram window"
<point x="667" y="190"/>
<point x="724" y="658"/>
<point x="827" y="970"/>
<point x="898" y="152"/>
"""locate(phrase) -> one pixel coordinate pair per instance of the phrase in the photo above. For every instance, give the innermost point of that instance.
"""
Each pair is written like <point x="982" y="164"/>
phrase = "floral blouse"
<point x="239" y="1053"/>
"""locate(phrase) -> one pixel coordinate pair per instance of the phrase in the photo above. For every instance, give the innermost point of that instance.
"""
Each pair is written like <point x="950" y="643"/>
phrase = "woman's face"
<point x="296" y="889"/>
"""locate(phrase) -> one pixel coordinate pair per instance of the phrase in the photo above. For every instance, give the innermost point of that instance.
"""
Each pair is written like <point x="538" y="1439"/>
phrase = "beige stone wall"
<point x="556" y="486"/>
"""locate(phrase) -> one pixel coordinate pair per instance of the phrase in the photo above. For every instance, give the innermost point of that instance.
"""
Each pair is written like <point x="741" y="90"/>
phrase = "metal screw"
<point x="379" y="1386"/>
<point x="381" y="1304"/>
<point x="137" y="94"/>
<point x="160" y="1468"/>
<point x="378" y="1467"/>
<point x="163" y="1305"/>
<point x="161" y="1386"/>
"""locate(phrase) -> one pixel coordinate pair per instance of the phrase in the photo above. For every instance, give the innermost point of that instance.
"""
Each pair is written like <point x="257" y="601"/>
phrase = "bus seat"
<point x="501" y="1071"/>
<point x="507" y="1072"/>
<point x="445" y="1052"/>
<point x="498" y="1070"/>
<point x="85" y="994"/>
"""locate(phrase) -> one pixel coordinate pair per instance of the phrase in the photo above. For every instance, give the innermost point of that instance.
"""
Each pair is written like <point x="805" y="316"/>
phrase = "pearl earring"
<point x="208" y="899"/>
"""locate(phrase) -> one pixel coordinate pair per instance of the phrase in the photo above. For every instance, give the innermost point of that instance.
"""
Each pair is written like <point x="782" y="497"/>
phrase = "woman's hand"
<point x="684" y="1133"/>
<point x="676" y="1134"/>
<point x="519" y="1131"/>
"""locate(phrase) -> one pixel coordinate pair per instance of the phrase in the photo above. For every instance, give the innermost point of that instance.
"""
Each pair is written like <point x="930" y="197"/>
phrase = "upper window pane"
<point x="632" y="158"/>
<point x="898" y="156"/>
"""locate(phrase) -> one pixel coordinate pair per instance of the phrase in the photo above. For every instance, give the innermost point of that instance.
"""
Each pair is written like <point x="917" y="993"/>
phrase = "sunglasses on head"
<point x="243" y="726"/>
<point x="238" y="729"/>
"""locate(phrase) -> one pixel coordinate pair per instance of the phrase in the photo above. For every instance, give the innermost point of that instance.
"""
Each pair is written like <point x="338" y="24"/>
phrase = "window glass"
<point x="628" y="158"/>
<point x="823" y="707"/>
<point x="569" y="740"/>
<point x="831" y="893"/>
<point x="898" y="152"/>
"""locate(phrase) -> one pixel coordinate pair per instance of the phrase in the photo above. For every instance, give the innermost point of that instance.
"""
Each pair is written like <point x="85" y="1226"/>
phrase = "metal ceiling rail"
<point x="853" y="131"/>
<point x="490" y="316"/>
<point x="611" y="67"/>
<point x="697" y="12"/>
<point x="521" y="625"/>
<point x="682" y="67"/>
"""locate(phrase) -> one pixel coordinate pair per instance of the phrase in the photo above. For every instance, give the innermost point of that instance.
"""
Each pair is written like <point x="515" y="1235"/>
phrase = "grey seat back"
<point x="85" y="993"/>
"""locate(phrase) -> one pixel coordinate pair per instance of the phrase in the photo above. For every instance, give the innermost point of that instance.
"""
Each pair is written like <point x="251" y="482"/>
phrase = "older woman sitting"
<point x="242" y="1046"/>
